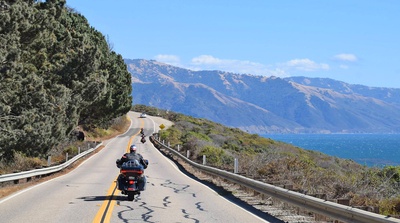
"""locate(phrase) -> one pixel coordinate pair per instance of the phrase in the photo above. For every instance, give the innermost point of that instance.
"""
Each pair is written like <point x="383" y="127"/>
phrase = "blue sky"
<point x="355" y="41"/>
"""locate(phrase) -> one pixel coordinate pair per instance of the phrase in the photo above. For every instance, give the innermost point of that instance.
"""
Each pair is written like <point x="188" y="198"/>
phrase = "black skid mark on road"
<point x="178" y="188"/>
<point x="128" y="208"/>
<point x="137" y="198"/>
<point x="149" y="181"/>
<point x="184" y="188"/>
<point x="146" y="216"/>
<point x="166" y="202"/>
<point x="120" y="214"/>
<point x="198" y="206"/>
<point x="187" y="216"/>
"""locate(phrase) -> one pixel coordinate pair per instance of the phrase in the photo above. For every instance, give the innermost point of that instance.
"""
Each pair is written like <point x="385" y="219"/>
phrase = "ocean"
<point x="367" y="149"/>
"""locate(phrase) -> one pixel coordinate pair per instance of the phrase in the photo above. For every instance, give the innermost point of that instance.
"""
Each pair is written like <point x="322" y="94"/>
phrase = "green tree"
<point x="56" y="72"/>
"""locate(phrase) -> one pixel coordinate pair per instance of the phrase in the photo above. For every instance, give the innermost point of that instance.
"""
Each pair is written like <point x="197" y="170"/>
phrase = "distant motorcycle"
<point x="143" y="140"/>
<point x="131" y="179"/>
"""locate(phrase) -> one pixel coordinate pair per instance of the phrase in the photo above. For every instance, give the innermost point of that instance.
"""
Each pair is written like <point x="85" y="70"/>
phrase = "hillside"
<point x="260" y="104"/>
<point x="281" y="164"/>
<point x="389" y="95"/>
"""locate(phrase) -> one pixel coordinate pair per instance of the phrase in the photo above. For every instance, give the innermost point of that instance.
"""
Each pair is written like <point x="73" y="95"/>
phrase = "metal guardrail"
<point x="44" y="171"/>
<point x="327" y="208"/>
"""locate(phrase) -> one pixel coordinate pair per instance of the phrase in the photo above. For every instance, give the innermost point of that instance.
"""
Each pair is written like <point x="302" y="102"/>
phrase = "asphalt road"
<point x="88" y="193"/>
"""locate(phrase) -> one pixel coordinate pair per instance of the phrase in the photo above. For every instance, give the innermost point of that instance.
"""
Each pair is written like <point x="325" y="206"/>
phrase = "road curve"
<point x="88" y="194"/>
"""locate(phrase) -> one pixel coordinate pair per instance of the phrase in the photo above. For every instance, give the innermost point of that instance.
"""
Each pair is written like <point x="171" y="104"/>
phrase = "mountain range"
<point x="260" y="104"/>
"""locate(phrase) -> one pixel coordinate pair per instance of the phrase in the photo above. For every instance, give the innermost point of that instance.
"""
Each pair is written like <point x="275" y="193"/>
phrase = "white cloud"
<point x="168" y="59"/>
<point x="346" y="57"/>
<point x="305" y="65"/>
<point x="208" y="62"/>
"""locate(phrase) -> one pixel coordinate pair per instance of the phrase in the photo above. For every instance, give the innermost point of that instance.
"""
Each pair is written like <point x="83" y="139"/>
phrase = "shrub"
<point x="390" y="206"/>
<point x="23" y="163"/>
<point x="198" y="135"/>
<point x="173" y="135"/>
<point x="216" y="156"/>
<point x="119" y="124"/>
<point x="71" y="150"/>
<point x="391" y="172"/>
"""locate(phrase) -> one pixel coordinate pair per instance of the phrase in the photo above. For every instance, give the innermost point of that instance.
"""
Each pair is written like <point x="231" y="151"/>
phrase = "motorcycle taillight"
<point x="131" y="182"/>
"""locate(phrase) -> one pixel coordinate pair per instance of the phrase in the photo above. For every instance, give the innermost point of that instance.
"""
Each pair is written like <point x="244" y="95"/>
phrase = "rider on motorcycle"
<point x="132" y="155"/>
<point x="137" y="158"/>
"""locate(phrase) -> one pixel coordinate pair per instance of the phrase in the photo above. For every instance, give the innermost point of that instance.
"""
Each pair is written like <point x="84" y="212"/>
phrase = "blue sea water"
<point x="366" y="149"/>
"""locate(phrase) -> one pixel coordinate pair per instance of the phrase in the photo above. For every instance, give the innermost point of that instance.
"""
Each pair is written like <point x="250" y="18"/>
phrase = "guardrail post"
<point x="66" y="157"/>
<point x="204" y="160"/>
<point x="163" y="142"/>
<point x="187" y="153"/>
<point x="178" y="148"/>
<point x="236" y="166"/>
<point x="169" y="144"/>
<point x="48" y="160"/>
<point x="79" y="150"/>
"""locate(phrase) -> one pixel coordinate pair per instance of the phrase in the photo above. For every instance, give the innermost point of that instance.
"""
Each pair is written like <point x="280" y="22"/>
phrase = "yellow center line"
<point x="107" y="207"/>
<point x="105" y="211"/>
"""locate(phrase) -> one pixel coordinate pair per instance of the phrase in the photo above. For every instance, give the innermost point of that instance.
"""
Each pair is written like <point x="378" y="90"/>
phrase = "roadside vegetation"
<point x="22" y="162"/>
<point x="278" y="163"/>
<point x="58" y="74"/>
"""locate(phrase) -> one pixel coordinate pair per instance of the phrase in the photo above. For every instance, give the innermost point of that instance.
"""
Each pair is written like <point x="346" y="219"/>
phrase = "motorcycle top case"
<point x="132" y="168"/>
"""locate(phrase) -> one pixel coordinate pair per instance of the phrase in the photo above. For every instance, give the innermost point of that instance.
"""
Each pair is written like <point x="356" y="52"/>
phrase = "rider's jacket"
<point x="133" y="156"/>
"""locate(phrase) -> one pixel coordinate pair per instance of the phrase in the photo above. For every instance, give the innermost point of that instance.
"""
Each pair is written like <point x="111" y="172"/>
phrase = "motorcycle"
<point x="143" y="140"/>
<point x="131" y="179"/>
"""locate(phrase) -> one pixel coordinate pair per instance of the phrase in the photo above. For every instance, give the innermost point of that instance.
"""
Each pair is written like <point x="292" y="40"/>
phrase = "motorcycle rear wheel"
<point x="131" y="196"/>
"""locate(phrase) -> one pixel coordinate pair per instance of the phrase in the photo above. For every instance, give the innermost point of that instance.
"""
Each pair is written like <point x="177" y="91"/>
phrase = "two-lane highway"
<point x="88" y="193"/>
